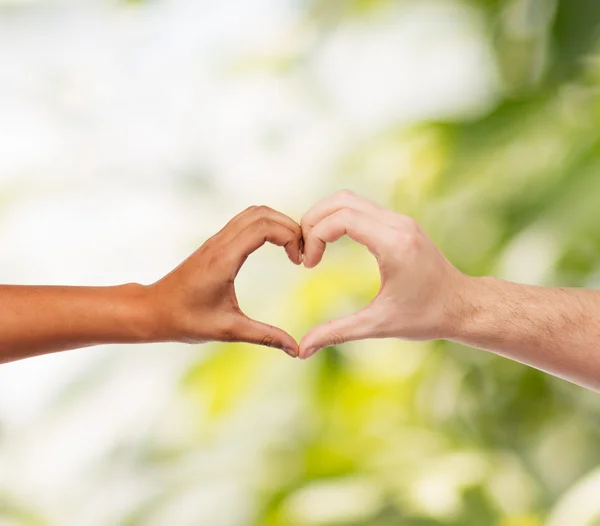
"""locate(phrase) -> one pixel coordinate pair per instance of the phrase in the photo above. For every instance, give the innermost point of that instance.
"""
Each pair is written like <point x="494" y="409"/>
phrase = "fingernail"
<point x="289" y="351"/>
<point x="309" y="352"/>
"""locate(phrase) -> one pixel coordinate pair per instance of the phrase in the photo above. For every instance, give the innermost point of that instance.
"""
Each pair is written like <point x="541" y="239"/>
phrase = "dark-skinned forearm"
<point x="194" y="303"/>
<point x="37" y="320"/>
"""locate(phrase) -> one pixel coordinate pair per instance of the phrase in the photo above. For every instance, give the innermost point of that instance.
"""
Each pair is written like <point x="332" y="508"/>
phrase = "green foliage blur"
<point x="431" y="434"/>
<point x="394" y="433"/>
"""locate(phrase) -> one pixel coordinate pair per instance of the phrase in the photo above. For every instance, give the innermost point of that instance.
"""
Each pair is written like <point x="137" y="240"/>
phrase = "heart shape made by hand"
<point x="417" y="281"/>
<point x="417" y="291"/>
<point x="300" y="299"/>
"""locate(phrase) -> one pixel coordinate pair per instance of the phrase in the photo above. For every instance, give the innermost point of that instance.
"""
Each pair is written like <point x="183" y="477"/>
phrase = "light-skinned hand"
<point x="419" y="285"/>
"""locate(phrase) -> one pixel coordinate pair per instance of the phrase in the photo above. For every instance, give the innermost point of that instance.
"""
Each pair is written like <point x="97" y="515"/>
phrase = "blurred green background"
<point x="479" y="118"/>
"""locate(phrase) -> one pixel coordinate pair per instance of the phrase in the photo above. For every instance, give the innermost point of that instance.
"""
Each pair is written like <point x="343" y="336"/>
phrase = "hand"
<point x="419" y="287"/>
<point x="197" y="300"/>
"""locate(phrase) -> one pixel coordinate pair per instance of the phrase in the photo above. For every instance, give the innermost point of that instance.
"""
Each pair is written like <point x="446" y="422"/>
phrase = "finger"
<point x="360" y="227"/>
<point x="346" y="199"/>
<point x="242" y="220"/>
<point x="260" y="232"/>
<point x="258" y="333"/>
<point x="228" y="230"/>
<point x="252" y="214"/>
<point x="358" y="326"/>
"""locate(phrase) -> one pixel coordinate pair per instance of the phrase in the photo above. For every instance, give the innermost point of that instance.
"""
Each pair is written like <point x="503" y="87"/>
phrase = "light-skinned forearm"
<point x="556" y="330"/>
<point x="424" y="297"/>
<point x="43" y="319"/>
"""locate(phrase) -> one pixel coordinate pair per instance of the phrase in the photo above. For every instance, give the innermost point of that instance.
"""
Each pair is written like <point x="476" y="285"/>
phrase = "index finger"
<point x="260" y="232"/>
<point x="345" y="199"/>
<point x="360" y="227"/>
<point x="250" y="215"/>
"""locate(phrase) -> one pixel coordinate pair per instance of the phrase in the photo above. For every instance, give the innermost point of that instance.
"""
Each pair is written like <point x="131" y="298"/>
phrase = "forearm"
<point x="553" y="329"/>
<point x="38" y="320"/>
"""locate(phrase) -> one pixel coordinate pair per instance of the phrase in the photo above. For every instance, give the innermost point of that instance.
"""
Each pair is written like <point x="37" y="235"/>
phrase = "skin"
<point x="195" y="303"/>
<point x="424" y="297"/>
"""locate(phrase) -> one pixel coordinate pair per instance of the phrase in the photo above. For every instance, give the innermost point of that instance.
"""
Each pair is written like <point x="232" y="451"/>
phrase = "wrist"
<point x="141" y="314"/>
<point x="165" y="319"/>
<point x="470" y="306"/>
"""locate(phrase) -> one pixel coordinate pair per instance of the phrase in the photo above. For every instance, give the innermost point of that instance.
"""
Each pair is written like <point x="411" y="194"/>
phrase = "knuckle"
<point x="346" y="194"/>
<point x="267" y="340"/>
<point x="297" y="229"/>
<point x="395" y="240"/>
<point x="263" y="209"/>
<point x="335" y="338"/>
<point x="214" y="258"/>
<point x="223" y="258"/>
<point x="344" y="215"/>
<point x="305" y="226"/>
<point x="262" y="223"/>
<point x="408" y="240"/>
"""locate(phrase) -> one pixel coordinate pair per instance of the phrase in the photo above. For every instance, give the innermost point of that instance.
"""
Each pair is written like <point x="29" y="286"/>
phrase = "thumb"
<point x="358" y="326"/>
<point x="258" y="333"/>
